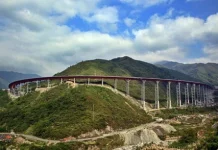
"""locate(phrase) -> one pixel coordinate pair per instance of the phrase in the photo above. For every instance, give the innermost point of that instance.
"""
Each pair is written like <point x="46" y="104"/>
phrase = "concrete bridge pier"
<point x="88" y="81"/>
<point x="127" y="87"/>
<point x="115" y="84"/>
<point x="20" y="89"/>
<point x="13" y="91"/>
<point x="74" y="82"/>
<point x="48" y="86"/>
<point x="61" y="81"/>
<point x="37" y="84"/>
<point x="199" y="94"/>
<point x="169" y="105"/>
<point x="193" y="95"/>
<point x="102" y="82"/>
<point x="143" y="92"/>
<point x="204" y="98"/>
<point x="178" y="94"/>
<point x="157" y="103"/>
<point x="27" y="87"/>
<point x="187" y="94"/>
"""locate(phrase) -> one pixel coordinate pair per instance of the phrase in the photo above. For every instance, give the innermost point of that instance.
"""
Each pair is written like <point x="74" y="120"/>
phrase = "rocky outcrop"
<point x="141" y="137"/>
<point x="147" y="134"/>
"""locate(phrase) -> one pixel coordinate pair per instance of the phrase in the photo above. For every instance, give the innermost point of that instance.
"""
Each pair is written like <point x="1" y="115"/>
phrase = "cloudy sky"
<point x="47" y="36"/>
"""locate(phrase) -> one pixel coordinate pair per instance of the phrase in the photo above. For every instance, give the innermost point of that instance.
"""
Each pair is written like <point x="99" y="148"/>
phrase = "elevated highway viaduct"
<point x="196" y="93"/>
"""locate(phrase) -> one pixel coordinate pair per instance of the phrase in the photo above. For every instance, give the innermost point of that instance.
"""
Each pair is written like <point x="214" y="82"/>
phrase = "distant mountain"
<point x="7" y="77"/>
<point x="207" y="73"/>
<point x="123" y="66"/>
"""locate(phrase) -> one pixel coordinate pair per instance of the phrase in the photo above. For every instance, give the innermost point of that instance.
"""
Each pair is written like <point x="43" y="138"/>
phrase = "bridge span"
<point x="196" y="93"/>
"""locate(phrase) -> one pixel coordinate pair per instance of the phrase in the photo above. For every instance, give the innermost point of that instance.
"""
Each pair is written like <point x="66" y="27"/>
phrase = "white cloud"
<point x="146" y="3"/>
<point x="163" y="34"/>
<point x="34" y="38"/>
<point x="171" y="54"/>
<point x="106" y="18"/>
<point x="104" y="15"/>
<point x="129" y="22"/>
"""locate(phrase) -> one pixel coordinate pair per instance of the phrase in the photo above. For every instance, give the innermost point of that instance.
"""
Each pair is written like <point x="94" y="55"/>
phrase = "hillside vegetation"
<point x="126" y="66"/>
<point x="4" y="99"/>
<point x="63" y="112"/>
<point x="207" y="73"/>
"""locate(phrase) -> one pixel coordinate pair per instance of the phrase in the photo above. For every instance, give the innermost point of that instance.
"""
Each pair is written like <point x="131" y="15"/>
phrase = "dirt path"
<point x="34" y="138"/>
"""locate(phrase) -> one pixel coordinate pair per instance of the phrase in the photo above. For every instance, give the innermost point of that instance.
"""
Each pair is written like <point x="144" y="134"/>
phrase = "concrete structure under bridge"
<point x="196" y="93"/>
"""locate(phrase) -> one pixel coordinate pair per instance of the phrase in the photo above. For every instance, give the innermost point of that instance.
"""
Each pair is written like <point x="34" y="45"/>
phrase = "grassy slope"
<point x="126" y="66"/>
<point x="63" y="111"/>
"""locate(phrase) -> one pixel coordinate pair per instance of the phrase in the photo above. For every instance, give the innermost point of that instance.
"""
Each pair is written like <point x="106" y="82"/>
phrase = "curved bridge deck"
<point x="201" y="94"/>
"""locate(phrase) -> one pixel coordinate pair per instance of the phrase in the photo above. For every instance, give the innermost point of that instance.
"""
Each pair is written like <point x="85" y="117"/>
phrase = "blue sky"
<point x="45" y="37"/>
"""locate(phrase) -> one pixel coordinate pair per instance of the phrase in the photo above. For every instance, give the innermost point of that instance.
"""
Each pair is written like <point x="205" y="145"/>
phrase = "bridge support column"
<point x="199" y="95"/>
<point x="102" y="82"/>
<point x="13" y="91"/>
<point x="20" y="89"/>
<point x="61" y="81"/>
<point x="193" y="95"/>
<point x="187" y="94"/>
<point x="27" y="87"/>
<point x="48" y="83"/>
<point x="88" y="81"/>
<point x="74" y="82"/>
<point x="115" y="84"/>
<point x="143" y="92"/>
<point x="169" y="105"/>
<point x="127" y="87"/>
<point x="178" y="94"/>
<point x="157" y="105"/>
<point x="204" y="98"/>
<point x="37" y="84"/>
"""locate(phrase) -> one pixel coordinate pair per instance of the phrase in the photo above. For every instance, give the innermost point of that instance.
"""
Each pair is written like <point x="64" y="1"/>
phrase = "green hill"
<point x="63" y="112"/>
<point x="126" y="66"/>
<point x="123" y="66"/>
<point x="207" y="73"/>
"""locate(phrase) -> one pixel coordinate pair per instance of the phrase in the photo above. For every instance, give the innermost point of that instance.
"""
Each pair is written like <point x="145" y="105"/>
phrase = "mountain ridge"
<point x="7" y="77"/>
<point x="206" y="72"/>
